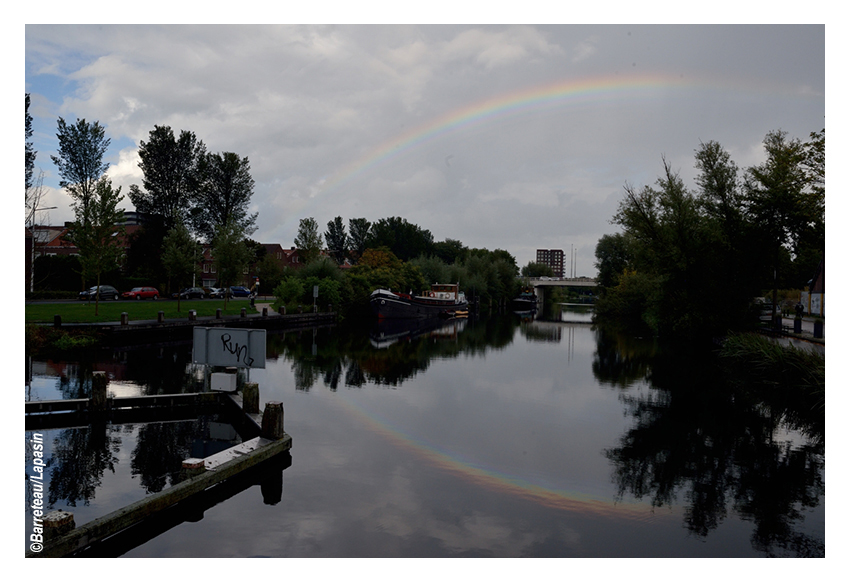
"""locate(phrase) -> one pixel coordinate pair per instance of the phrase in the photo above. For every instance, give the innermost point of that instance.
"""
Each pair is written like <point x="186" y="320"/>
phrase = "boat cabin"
<point x="444" y="291"/>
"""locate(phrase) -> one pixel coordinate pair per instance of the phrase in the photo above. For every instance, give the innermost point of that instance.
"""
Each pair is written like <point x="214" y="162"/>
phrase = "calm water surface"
<point x="503" y="437"/>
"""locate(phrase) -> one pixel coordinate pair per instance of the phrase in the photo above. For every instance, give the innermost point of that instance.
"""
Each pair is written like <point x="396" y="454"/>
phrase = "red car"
<point x="141" y="293"/>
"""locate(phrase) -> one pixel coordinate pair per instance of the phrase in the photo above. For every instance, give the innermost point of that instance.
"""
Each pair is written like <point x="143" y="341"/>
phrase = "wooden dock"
<point x="270" y="441"/>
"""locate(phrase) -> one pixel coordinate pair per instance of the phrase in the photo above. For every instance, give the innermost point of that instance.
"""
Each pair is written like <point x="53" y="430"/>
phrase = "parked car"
<point x="239" y="291"/>
<point x="190" y="293"/>
<point x="141" y="293"/>
<point x="216" y="293"/>
<point x="106" y="292"/>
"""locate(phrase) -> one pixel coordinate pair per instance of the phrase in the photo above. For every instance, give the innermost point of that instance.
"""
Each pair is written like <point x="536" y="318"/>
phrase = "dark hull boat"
<point x="441" y="301"/>
<point x="526" y="301"/>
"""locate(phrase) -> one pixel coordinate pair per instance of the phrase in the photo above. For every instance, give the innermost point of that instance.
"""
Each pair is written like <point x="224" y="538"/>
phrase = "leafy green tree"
<point x="613" y="257"/>
<point x="180" y="256"/>
<point x="269" y="271"/>
<point x="358" y="236"/>
<point x="230" y="255"/>
<point x="98" y="231"/>
<point x="80" y="159"/>
<point x="670" y="236"/>
<point x="29" y="152"/>
<point x="308" y="240"/>
<point x="450" y="250"/>
<point x="777" y="199"/>
<point x="337" y="240"/>
<point x="224" y="195"/>
<point x="289" y="291"/>
<point x="534" y="269"/>
<point x="171" y="168"/>
<point x="406" y="240"/>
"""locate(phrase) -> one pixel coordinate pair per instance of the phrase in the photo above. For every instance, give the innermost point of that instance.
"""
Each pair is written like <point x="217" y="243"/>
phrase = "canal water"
<point x="511" y="436"/>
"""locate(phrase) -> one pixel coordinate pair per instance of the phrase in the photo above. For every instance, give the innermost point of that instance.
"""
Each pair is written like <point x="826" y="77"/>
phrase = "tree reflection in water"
<point x="719" y="445"/>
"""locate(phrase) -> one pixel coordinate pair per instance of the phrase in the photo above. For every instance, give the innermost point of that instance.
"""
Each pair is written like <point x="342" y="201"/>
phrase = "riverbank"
<point x="162" y="330"/>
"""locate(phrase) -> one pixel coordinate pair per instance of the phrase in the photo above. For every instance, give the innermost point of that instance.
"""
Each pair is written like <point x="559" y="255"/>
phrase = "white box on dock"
<point x="223" y="382"/>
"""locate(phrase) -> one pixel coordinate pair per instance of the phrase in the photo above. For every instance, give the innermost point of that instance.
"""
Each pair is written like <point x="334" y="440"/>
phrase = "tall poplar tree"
<point x="80" y="159"/>
<point x="308" y="241"/>
<point x="337" y="240"/>
<point x="180" y="256"/>
<point x="98" y="231"/>
<point x="171" y="174"/>
<point x="224" y="195"/>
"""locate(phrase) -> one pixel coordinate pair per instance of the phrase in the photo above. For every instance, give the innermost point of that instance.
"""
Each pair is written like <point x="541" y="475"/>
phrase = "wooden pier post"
<point x="98" y="391"/>
<point x="272" y="427"/>
<point x="192" y="467"/>
<point x="251" y="398"/>
<point x="57" y="523"/>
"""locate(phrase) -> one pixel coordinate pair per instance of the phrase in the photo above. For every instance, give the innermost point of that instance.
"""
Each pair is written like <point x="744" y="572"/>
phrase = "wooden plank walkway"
<point x="201" y="474"/>
<point x="221" y="466"/>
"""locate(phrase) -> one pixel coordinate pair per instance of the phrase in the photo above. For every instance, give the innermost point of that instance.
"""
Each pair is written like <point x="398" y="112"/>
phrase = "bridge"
<point x="562" y="282"/>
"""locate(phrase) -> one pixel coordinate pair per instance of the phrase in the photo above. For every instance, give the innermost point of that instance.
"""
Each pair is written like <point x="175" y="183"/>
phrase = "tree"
<point x="337" y="240"/>
<point x="358" y="236"/>
<point x="98" y="231"/>
<point x="777" y="200"/>
<point x="29" y="152"/>
<point x="224" y="195"/>
<point x="230" y="255"/>
<point x="80" y="160"/>
<point x="180" y="256"/>
<point x="534" y="269"/>
<point x="450" y="250"/>
<point x="308" y="241"/>
<point x="171" y="169"/>
<point x="613" y="258"/>
<point x="406" y="240"/>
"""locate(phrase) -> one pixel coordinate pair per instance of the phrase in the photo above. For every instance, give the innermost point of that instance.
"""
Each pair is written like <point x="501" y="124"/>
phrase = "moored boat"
<point x="525" y="301"/>
<point x="441" y="301"/>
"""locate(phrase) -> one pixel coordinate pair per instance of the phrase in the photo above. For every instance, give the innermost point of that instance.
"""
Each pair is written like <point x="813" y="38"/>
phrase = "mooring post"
<point x="192" y="467"/>
<point x="218" y="313"/>
<point x="265" y="311"/>
<point x="251" y="398"/>
<point x="243" y="312"/>
<point x="160" y="317"/>
<point x="57" y="321"/>
<point x="98" y="391"/>
<point x="272" y="427"/>
<point x="57" y="523"/>
<point x="125" y="319"/>
<point x="282" y="310"/>
<point x="192" y="315"/>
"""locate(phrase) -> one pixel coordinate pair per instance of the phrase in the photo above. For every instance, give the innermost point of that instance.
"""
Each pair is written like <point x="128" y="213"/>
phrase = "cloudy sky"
<point x="515" y="137"/>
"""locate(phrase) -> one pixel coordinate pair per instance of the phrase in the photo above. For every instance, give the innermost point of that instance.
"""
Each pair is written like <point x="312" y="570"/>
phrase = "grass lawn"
<point x="83" y="312"/>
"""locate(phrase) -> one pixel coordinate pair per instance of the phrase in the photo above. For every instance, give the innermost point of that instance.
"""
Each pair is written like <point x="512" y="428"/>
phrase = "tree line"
<point x="189" y="195"/>
<point x="389" y="253"/>
<point x="689" y="261"/>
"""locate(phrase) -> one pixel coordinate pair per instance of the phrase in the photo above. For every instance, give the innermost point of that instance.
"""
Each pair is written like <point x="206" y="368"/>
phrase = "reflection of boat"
<point x="525" y="301"/>
<point x="441" y="300"/>
<point x="390" y="331"/>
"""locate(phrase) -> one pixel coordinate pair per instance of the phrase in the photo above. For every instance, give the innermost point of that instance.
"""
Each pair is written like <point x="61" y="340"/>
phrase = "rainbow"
<point x="475" y="473"/>
<point x="489" y="110"/>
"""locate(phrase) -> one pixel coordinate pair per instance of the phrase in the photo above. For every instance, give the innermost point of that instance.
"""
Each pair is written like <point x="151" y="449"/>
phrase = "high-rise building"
<point x="553" y="258"/>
